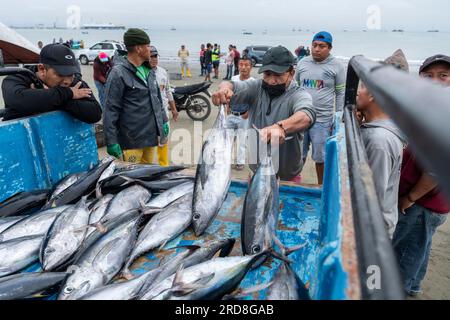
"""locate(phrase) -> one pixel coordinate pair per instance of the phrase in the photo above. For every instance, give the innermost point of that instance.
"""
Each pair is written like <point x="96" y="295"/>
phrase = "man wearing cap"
<point x="168" y="103"/>
<point x="422" y="206"/>
<point x="323" y="76"/>
<point x="277" y="106"/>
<point x="54" y="84"/>
<point x="134" y="117"/>
<point x="102" y="66"/>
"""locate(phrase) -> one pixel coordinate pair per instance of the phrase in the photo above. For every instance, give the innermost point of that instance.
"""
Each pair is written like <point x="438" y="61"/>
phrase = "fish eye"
<point x="197" y="216"/>
<point x="256" y="248"/>
<point x="68" y="290"/>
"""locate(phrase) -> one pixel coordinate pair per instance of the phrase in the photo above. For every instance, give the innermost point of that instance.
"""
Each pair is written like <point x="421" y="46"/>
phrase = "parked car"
<point x="256" y="53"/>
<point x="88" y="55"/>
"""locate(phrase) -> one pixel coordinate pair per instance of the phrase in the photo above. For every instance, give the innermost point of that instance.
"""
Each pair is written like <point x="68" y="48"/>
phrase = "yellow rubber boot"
<point x="188" y="73"/>
<point x="163" y="155"/>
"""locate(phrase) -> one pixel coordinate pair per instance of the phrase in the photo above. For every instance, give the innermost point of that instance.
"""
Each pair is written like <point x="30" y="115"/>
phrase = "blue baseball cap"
<point x="324" y="37"/>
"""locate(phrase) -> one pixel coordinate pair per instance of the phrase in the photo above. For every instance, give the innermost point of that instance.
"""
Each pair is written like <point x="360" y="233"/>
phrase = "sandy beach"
<point x="437" y="282"/>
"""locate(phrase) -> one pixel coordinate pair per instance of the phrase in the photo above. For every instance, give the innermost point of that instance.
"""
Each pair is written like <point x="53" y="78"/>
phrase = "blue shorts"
<point x="317" y="136"/>
<point x="208" y="68"/>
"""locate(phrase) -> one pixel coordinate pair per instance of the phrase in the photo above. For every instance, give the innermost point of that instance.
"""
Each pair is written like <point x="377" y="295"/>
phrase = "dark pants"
<point x="202" y="67"/>
<point x="229" y="72"/>
<point x="412" y="244"/>
<point x="236" y="68"/>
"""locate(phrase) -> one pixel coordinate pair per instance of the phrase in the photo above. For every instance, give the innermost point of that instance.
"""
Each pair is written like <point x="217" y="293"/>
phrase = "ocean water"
<point x="373" y="44"/>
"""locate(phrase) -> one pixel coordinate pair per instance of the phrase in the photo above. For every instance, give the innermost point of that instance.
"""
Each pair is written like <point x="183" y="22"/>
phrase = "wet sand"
<point x="437" y="281"/>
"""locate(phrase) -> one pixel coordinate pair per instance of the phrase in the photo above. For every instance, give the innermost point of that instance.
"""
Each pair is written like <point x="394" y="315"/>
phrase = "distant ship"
<point x="398" y="30"/>
<point x="434" y="30"/>
<point x="173" y="29"/>
<point x="99" y="26"/>
<point x="247" y="32"/>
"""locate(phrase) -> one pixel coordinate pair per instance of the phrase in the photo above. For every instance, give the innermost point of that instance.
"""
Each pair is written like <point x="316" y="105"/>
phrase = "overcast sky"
<point x="412" y="15"/>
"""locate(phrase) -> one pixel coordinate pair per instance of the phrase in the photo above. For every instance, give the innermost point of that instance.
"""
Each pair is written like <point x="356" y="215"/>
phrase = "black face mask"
<point x="275" y="90"/>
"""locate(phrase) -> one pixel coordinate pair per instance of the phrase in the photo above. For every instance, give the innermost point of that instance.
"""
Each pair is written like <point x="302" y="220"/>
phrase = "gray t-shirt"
<point x="265" y="112"/>
<point x="325" y="82"/>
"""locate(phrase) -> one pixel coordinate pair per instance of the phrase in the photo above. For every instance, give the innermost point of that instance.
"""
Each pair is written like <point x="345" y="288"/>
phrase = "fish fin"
<point x="285" y="251"/>
<point x="177" y="277"/>
<point x="226" y="250"/>
<point x="242" y="293"/>
<point x="98" y="191"/>
<point x="99" y="226"/>
<point x="105" y="250"/>
<point x="278" y="256"/>
<point x="180" y="289"/>
<point x="163" y="245"/>
<point x="126" y="274"/>
<point x="150" y="210"/>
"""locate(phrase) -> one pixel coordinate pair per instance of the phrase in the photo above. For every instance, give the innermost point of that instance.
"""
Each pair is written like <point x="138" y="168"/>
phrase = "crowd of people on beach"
<point x="292" y="105"/>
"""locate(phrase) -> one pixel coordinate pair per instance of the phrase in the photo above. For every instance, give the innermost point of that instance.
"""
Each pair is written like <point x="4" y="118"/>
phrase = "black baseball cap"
<point x="278" y="60"/>
<point x="434" y="59"/>
<point x="60" y="58"/>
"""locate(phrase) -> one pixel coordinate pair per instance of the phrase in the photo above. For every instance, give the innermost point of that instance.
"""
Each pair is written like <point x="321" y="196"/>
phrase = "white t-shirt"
<point x="239" y="107"/>
<point x="164" y="84"/>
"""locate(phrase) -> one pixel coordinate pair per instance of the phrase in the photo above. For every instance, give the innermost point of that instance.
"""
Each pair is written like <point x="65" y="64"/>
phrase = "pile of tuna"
<point x="87" y="232"/>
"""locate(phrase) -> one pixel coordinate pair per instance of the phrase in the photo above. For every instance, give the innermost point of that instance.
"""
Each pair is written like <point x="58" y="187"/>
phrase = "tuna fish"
<point x="25" y="285"/>
<point x="129" y="199"/>
<point x="213" y="175"/>
<point x="162" y="228"/>
<point x="188" y="258"/>
<point x="64" y="184"/>
<point x="286" y="285"/>
<point x="166" y="198"/>
<point x="84" y="186"/>
<point x="141" y="172"/>
<point x="261" y="210"/>
<point x="23" y="203"/>
<point x="209" y="280"/>
<point x="18" y="254"/>
<point x="65" y="236"/>
<point x="35" y="224"/>
<point x="101" y="261"/>
<point x="7" y="222"/>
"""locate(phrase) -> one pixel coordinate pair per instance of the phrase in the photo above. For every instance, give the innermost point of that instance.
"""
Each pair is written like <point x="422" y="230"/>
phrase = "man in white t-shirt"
<point x="238" y="118"/>
<point x="168" y="104"/>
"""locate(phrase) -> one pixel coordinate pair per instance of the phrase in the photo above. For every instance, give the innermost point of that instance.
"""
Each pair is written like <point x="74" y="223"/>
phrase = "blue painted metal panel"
<point x="39" y="151"/>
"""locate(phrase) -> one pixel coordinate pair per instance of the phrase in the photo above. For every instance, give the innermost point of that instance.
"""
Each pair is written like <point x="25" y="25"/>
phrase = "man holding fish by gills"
<point x="281" y="109"/>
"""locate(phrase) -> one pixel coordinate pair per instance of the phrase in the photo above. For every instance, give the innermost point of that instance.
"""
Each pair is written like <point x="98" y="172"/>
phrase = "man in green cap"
<point x="277" y="106"/>
<point x="134" y="119"/>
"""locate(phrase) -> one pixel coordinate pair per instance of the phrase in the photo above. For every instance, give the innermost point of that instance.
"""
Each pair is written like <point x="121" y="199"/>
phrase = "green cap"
<point x="135" y="37"/>
<point x="278" y="60"/>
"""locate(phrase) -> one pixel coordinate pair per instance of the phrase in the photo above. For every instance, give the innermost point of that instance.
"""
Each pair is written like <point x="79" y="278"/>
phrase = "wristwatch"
<point x="280" y="124"/>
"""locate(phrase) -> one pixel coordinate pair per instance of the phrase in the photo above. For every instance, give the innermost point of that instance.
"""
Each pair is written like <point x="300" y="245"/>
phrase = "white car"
<point x="88" y="55"/>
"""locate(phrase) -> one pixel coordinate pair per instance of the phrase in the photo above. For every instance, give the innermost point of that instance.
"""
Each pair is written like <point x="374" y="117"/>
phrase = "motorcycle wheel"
<point x="199" y="108"/>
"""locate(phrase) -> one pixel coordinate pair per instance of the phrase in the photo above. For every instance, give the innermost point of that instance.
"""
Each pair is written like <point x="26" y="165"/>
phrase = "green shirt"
<point x="143" y="72"/>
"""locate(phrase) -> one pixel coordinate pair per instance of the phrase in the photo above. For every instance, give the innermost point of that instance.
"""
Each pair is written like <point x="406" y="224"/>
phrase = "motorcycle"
<point x="192" y="99"/>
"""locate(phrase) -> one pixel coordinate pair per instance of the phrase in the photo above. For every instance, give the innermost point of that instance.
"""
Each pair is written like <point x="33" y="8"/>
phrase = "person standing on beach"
<point x="322" y="76"/>
<point x="183" y="54"/>
<point x="422" y="206"/>
<point x="237" y="57"/>
<point x="384" y="144"/>
<point x="238" y="118"/>
<point x="229" y="60"/>
<point x="134" y="119"/>
<point x="202" y="60"/>
<point x="215" y="57"/>
<point x="208" y="62"/>
<point x="168" y="104"/>
<point x="102" y="66"/>
<point x="277" y="106"/>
